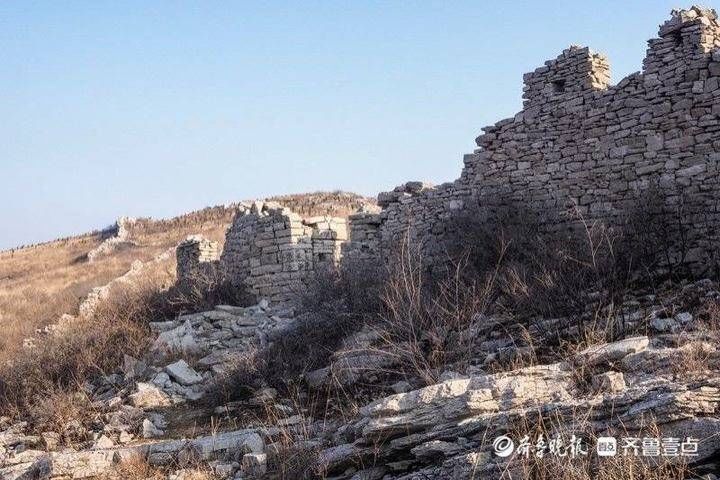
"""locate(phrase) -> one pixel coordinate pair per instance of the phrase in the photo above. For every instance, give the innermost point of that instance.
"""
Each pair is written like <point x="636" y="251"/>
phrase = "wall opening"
<point x="677" y="38"/>
<point x="558" y="86"/>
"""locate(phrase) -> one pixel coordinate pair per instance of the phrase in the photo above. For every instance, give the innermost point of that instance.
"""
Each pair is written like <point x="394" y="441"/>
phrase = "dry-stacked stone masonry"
<point x="196" y="255"/>
<point x="581" y="142"/>
<point x="270" y="249"/>
<point x="578" y="142"/>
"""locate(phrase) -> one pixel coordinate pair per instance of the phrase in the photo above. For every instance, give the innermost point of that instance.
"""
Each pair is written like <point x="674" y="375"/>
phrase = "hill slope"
<point x="40" y="283"/>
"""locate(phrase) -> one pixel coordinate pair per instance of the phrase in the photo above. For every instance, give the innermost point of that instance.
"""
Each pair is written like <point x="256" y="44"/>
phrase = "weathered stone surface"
<point x="149" y="396"/>
<point x="38" y="467"/>
<point x="612" y="352"/>
<point x="196" y="258"/>
<point x="149" y="430"/>
<point x="442" y="426"/>
<point x="183" y="373"/>
<point x="270" y="249"/>
<point x="180" y="339"/>
<point x="610" y="382"/>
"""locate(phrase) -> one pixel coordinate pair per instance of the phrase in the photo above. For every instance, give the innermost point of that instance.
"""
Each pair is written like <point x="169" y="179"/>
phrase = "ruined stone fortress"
<point x="578" y="142"/>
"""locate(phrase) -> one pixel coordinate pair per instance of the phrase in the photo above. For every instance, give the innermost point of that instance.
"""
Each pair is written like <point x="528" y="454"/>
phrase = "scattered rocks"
<point x="612" y="352"/>
<point x="254" y="464"/>
<point x="664" y="325"/>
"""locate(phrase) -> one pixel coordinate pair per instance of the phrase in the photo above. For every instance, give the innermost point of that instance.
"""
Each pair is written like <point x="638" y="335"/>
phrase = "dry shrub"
<point x="66" y="411"/>
<point x="334" y="303"/>
<point x="708" y="317"/>
<point x="429" y="315"/>
<point x="296" y="456"/>
<point x="295" y="453"/>
<point x="352" y="289"/>
<point x="542" y="269"/>
<point x="137" y="467"/>
<point x="528" y="266"/>
<point x="657" y="229"/>
<point x="561" y="265"/>
<point x="699" y="355"/>
<point x="203" y="291"/>
<point x="424" y="321"/>
<point x="296" y="461"/>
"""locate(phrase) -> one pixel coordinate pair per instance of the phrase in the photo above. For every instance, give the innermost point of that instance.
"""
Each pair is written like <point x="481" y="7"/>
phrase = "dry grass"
<point x="138" y="468"/>
<point x="423" y="320"/>
<point x="293" y="455"/>
<point x="45" y="384"/>
<point x="38" y="284"/>
<point x="336" y="204"/>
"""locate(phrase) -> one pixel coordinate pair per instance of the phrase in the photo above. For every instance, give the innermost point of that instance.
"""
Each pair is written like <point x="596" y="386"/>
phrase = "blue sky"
<point x="155" y="108"/>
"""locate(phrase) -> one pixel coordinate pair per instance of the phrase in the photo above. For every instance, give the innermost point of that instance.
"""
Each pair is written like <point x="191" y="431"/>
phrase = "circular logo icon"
<point x="503" y="446"/>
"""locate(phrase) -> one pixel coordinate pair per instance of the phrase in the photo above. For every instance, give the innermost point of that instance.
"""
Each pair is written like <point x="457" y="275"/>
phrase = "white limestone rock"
<point x="149" y="430"/>
<point x="149" y="396"/>
<point x="183" y="373"/>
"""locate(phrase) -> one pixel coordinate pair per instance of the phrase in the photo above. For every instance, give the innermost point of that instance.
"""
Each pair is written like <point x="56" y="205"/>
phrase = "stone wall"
<point x="581" y="143"/>
<point x="196" y="256"/>
<point x="114" y="238"/>
<point x="270" y="249"/>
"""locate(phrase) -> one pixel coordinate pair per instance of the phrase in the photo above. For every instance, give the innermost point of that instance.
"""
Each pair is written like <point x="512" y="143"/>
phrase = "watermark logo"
<point x="503" y="446"/>
<point x="575" y="446"/>
<point x="606" y="446"/>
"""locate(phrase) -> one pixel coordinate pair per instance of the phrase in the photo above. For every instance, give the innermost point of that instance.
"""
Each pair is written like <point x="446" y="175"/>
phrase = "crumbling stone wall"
<point x="579" y="142"/>
<point x="269" y="249"/>
<point x="196" y="256"/>
<point x="114" y="238"/>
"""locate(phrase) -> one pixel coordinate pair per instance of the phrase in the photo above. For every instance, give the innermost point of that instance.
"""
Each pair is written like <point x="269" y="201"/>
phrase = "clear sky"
<point x="154" y="108"/>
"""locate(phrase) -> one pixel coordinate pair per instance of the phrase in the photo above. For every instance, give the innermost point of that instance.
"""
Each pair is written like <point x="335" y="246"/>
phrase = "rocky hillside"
<point x="662" y="378"/>
<point x="510" y="367"/>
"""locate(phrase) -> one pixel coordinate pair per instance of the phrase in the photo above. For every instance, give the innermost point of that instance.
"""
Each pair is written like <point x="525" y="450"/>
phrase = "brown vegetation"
<point x="335" y="204"/>
<point x="46" y="381"/>
<point x="38" y="285"/>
